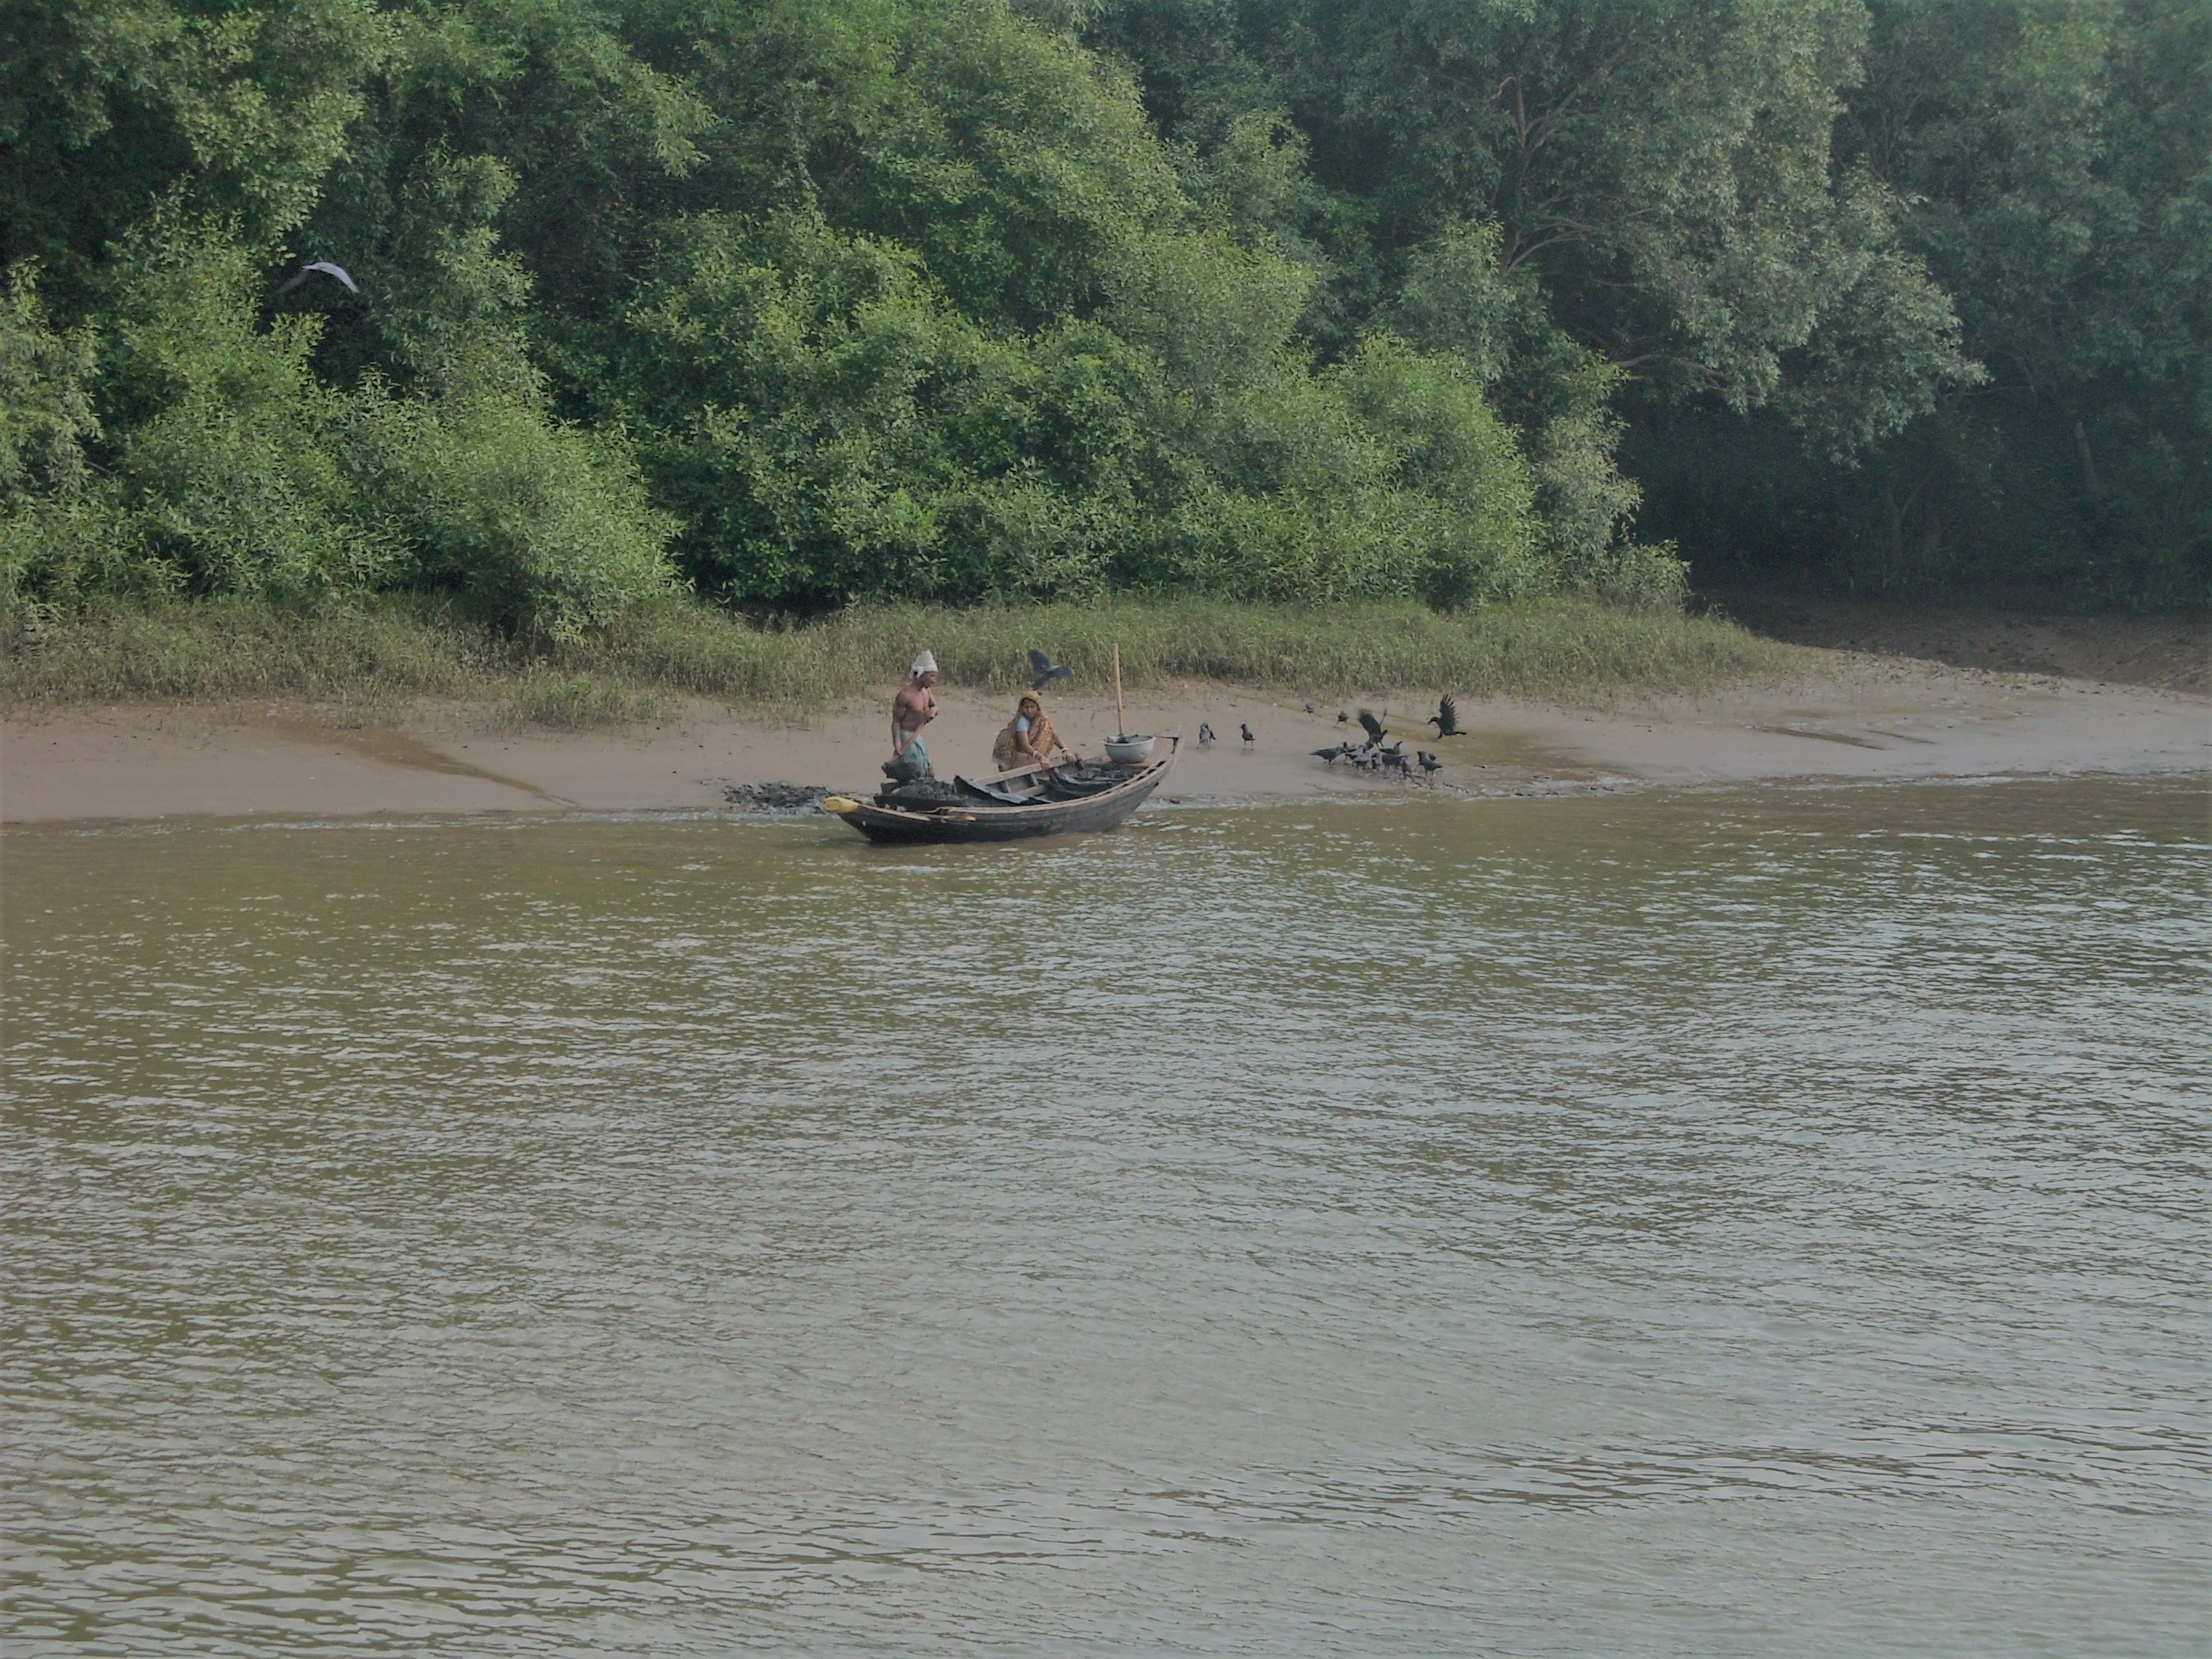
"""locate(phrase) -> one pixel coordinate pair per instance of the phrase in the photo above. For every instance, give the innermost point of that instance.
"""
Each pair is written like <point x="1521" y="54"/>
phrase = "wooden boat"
<point x="1034" y="800"/>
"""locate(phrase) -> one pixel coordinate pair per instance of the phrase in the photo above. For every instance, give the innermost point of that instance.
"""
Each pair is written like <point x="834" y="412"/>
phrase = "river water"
<point x="1767" y="1222"/>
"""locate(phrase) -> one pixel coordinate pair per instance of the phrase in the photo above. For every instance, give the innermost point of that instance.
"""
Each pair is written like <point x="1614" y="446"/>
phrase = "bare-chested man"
<point x="914" y="708"/>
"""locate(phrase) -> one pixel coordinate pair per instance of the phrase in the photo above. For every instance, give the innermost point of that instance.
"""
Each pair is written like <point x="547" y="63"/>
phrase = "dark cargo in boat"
<point x="1012" y="806"/>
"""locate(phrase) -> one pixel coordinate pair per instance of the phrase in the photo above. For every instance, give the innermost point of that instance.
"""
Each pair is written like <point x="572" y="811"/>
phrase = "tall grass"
<point x="1550" y="648"/>
<point x="226" y="648"/>
<point x="572" y="702"/>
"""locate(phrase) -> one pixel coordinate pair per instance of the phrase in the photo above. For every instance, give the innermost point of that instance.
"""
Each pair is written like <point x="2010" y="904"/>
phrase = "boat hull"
<point x="964" y="822"/>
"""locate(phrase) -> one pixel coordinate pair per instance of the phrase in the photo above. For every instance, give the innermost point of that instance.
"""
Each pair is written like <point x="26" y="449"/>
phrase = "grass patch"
<point x="1552" y="648"/>
<point x="218" y="649"/>
<point x="575" y="702"/>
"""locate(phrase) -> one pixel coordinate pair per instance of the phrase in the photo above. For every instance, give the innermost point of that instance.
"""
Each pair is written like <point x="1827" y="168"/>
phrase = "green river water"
<point x="1762" y="1222"/>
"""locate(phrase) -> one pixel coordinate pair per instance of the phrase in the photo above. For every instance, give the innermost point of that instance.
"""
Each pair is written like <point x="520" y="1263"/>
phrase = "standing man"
<point x="914" y="708"/>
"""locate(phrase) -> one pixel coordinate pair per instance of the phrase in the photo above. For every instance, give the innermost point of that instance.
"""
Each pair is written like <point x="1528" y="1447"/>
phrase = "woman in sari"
<point x="1027" y="739"/>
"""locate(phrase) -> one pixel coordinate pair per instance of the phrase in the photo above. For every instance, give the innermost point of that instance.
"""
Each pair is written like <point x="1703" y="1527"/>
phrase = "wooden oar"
<point x="1120" y="720"/>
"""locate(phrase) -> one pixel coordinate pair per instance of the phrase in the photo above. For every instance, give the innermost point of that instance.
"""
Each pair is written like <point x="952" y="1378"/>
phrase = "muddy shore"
<point x="1870" y="718"/>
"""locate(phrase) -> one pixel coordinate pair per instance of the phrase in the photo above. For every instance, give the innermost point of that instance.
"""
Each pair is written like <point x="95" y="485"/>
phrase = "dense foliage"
<point x="2052" y="164"/>
<point x="797" y="302"/>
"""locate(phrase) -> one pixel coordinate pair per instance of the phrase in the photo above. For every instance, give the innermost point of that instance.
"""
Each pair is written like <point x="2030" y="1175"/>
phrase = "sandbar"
<point x="1864" y="717"/>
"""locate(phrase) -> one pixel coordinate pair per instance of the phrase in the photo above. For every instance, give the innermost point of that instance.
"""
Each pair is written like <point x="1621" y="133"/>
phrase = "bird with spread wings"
<point x="321" y="268"/>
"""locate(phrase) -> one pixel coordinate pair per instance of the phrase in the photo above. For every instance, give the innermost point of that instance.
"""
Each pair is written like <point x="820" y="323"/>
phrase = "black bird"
<point x="1311" y="709"/>
<point x="327" y="269"/>
<point x="1375" y="731"/>
<point x="1429" y="763"/>
<point x="1047" y="671"/>
<point x="1332" y="756"/>
<point x="1248" y="738"/>
<point x="1343" y="718"/>
<point x="1205" y="735"/>
<point x="1446" y="719"/>
<point x="1395" y="759"/>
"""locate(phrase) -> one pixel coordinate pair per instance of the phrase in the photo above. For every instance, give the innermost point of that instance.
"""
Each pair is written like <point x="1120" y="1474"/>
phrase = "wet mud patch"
<point x="776" y="798"/>
<point x="390" y="748"/>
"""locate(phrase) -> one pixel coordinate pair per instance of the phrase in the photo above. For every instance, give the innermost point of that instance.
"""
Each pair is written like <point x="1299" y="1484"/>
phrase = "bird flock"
<point x="1375" y="756"/>
<point x="1371" y="754"/>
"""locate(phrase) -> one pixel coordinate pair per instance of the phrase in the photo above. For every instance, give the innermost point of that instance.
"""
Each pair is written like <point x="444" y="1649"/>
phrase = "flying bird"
<point x="1205" y="735"/>
<point x="1446" y="719"/>
<point x="325" y="267"/>
<point x="1247" y="731"/>
<point x="1375" y="731"/>
<point x="1047" y="671"/>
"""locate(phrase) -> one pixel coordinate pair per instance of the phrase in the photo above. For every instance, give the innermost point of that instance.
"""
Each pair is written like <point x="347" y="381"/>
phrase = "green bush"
<point x="46" y="406"/>
<point x="543" y="528"/>
<point x="831" y="429"/>
<point x="1457" y="300"/>
<point x="232" y="470"/>
<point x="51" y="529"/>
<point x="986" y="300"/>
<point x="223" y="459"/>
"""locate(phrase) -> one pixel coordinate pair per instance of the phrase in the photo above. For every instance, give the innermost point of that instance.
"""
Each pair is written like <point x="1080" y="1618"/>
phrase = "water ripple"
<point x="1661" y="1225"/>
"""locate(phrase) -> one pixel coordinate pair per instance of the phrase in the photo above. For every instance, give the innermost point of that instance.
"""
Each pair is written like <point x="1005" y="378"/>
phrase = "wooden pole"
<point x="1120" y="720"/>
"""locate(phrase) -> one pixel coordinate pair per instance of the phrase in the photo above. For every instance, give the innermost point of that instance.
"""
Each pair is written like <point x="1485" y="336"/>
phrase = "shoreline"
<point x="1865" y="718"/>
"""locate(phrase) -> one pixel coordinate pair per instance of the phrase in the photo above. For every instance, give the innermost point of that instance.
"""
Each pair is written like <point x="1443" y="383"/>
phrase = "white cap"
<point x="924" y="664"/>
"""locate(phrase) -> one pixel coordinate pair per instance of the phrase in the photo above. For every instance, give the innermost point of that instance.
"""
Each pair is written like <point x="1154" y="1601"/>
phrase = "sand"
<point x="2171" y="651"/>
<point x="1867" y="717"/>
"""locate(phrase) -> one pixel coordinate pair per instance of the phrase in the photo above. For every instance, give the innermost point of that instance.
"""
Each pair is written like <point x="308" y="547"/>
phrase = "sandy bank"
<point x="1871" y="718"/>
<point x="2171" y="651"/>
